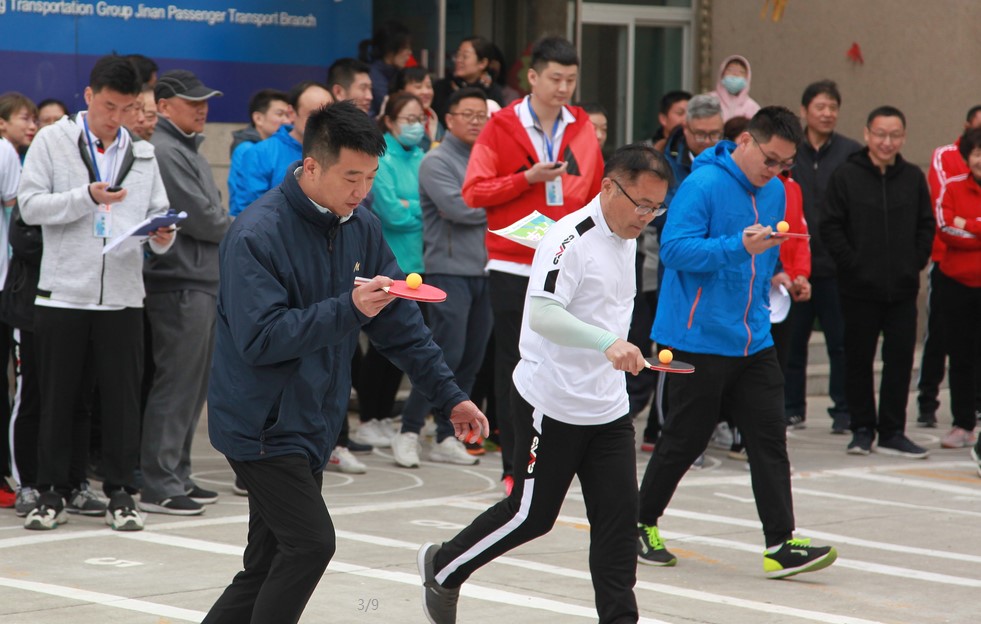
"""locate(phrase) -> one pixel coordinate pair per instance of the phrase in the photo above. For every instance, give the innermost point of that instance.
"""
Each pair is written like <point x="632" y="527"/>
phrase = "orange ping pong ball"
<point x="783" y="227"/>
<point x="413" y="280"/>
<point x="665" y="356"/>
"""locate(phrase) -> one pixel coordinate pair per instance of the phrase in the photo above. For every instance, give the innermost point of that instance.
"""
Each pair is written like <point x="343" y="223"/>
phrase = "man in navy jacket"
<point x="288" y="322"/>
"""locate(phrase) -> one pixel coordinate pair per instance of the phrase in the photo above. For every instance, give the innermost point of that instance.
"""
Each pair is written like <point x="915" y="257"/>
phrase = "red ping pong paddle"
<point x="776" y="234"/>
<point x="425" y="293"/>
<point x="673" y="367"/>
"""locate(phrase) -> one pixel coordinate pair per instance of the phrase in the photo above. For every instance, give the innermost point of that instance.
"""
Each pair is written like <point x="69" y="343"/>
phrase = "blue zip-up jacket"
<point x="287" y="328"/>
<point x="715" y="295"/>
<point x="261" y="167"/>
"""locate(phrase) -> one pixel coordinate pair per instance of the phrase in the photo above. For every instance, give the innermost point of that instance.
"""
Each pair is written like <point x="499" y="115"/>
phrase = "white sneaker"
<point x="341" y="460"/>
<point x="374" y="432"/>
<point x="429" y="429"/>
<point x="452" y="451"/>
<point x="722" y="438"/>
<point x="405" y="449"/>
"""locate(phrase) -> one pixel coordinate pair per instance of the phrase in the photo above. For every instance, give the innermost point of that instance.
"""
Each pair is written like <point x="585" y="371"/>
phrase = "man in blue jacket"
<point x="718" y="257"/>
<point x="288" y="322"/>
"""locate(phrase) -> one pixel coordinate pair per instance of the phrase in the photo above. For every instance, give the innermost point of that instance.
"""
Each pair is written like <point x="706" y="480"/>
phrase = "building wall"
<point x="921" y="57"/>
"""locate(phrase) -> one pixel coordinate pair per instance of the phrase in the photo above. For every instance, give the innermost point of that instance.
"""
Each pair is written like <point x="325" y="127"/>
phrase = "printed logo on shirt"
<point x="533" y="455"/>
<point x="357" y="267"/>
<point x="558" y="254"/>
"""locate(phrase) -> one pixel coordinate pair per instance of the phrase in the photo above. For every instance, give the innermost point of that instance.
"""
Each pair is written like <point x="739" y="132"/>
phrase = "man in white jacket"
<point x="85" y="182"/>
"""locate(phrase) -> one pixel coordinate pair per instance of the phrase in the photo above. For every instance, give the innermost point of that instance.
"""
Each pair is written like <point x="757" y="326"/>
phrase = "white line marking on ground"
<point x="739" y="499"/>
<point x="885" y="503"/>
<point x="106" y="600"/>
<point x="932" y="485"/>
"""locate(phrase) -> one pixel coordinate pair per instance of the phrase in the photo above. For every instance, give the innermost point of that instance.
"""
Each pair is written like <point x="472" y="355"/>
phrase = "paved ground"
<point x="906" y="531"/>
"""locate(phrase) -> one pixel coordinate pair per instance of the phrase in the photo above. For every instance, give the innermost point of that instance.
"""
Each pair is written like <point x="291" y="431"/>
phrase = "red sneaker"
<point x="8" y="498"/>
<point x="508" y="484"/>
<point x="476" y="447"/>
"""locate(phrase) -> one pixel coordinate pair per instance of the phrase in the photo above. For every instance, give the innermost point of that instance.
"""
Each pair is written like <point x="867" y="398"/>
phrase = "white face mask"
<point x="410" y="134"/>
<point x="734" y="84"/>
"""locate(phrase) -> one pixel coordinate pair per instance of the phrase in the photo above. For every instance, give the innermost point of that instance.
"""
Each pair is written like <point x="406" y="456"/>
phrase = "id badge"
<point x="102" y="223"/>
<point x="553" y="192"/>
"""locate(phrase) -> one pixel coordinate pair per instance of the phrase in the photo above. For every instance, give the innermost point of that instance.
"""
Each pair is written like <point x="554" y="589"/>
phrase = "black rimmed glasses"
<point x="773" y="163"/>
<point x="640" y="209"/>
<point x="471" y="116"/>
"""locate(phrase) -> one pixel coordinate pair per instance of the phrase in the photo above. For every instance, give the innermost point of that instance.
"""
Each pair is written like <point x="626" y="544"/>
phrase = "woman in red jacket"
<point x="959" y="287"/>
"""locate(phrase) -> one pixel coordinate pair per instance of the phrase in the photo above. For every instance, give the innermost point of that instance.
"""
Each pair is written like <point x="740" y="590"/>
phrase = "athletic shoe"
<point x="8" y="498"/>
<point x="121" y="514"/>
<point x="508" y="484"/>
<point x="341" y="460"/>
<point x="647" y="446"/>
<point x="202" y="496"/>
<point x="738" y="454"/>
<point x="796" y="421"/>
<point x="958" y="438"/>
<point x="374" y="433"/>
<point x="476" y="448"/>
<point x="899" y="444"/>
<point x="650" y="547"/>
<point x="175" y="506"/>
<point x="83" y="501"/>
<point x="360" y="449"/>
<point x="927" y="420"/>
<point x="722" y="437"/>
<point x="861" y="443"/>
<point x="405" y="450"/>
<point x="438" y="602"/>
<point x="26" y="501"/>
<point x="840" y="423"/>
<point x="796" y="556"/>
<point x="491" y="446"/>
<point x="976" y="455"/>
<point x="699" y="462"/>
<point x="48" y="514"/>
<point x="452" y="451"/>
<point x="239" y="488"/>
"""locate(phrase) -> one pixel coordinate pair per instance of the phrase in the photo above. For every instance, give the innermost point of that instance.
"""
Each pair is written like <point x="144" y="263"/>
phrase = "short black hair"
<point x="886" y="111"/>
<point x="632" y="160"/>
<point x="671" y="98"/>
<point x="12" y="102"/>
<point x="341" y="125"/>
<point x="297" y="91"/>
<point x="462" y="94"/>
<point x="394" y="106"/>
<point x="343" y="71"/>
<point x="553" y="50"/>
<point x="52" y="102"/>
<point x="970" y="141"/>
<point x="593" y="107"/>
<point x="821" y="87"/>
<point x="734" y="127"/>
<point x="972" y="112"/>
<point x="483" y="48"/>
<point x="772" y="121"/>
<point x="145" y="65"/>
<point x="262" y="100"/>
<point x="407" y="76"/>
<point x="118" y="73"/>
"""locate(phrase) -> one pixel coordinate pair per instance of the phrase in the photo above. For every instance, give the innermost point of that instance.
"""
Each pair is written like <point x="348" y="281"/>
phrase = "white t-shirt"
<point x="9" y="180"/>
<point x="584" y="266"/>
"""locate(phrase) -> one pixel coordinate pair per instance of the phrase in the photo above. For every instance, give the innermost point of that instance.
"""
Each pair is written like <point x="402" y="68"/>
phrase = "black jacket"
<point x="813" y="170"/>
<point x="23" y="273"/>
<point x="878" y="228"/>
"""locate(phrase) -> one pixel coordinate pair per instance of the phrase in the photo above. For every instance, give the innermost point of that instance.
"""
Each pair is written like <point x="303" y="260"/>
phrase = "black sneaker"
<point x="175" y="506"/>
<point x="796" y="556"/>
<point x="840" y="423"/>
<point x="83" y="501"/>
<point x="796" y="421"/>
<point x="356" y="447"/>
<point x="927" y="420"/>
<point x="650" y="547"/>
<point x="239" y="488"/>
<point x="122" y="514"/>
<point x="861" y="443"/>
<point x="438" y="602"/>
<point x="899" y="444"/>
<point x="202" y="496"/>
<point x="48" y="514"/>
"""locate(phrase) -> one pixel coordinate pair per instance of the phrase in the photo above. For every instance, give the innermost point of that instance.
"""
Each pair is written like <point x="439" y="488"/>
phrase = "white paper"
<point x="130" y="239"/>
<point x="779" y="303"/>
<point x="528" y="231"/>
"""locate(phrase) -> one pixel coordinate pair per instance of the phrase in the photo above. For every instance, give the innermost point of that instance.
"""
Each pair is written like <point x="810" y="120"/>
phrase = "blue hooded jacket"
<point x="715" y="295"/>
<point x="260" y="168"/>
<point x="287" y="328"/>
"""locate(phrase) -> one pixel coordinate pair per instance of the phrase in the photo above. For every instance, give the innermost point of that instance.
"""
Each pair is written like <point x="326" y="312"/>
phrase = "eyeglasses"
<point x="412" y="119"/>
<point x="772" y="163"/>
<point x="882" y="136"/>
<point x="707" y="137"/>
<point x="471" y="116"/>
<point x="643" y="211"/>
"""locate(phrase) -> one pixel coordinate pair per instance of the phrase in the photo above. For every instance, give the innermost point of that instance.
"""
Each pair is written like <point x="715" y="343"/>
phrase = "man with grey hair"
<point x="701" y="130"/>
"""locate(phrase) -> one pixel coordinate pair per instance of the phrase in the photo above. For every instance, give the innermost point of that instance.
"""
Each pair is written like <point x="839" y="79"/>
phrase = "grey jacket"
<point x="453" y="233"/>
<point x="54" y="194"/>
<point x="192" y="263"/>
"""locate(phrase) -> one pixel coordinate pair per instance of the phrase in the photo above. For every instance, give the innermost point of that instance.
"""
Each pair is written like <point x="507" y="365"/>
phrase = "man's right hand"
<point x="98" y="192"/>
<point x="545" y="172"/>
<point x="369" y="298"/>
<point x="625" y="357"/>
<point x="757" y="239"/>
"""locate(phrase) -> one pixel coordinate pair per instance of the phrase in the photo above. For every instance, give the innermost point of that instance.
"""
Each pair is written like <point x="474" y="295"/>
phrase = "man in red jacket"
<point x="537" y="154"/>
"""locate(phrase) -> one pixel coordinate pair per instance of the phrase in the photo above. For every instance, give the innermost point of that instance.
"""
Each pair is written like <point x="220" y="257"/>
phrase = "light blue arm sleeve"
<point x="552" y="321"/>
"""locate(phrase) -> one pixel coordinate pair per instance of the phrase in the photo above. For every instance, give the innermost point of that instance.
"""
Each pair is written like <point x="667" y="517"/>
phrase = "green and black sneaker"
<point x="796" y="556"/>
<point x="650" y="547"/>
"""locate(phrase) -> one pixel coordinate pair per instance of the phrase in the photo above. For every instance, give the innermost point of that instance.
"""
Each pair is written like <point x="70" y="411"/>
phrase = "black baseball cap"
<point x="184" y="84"/>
